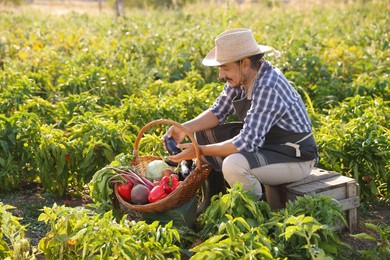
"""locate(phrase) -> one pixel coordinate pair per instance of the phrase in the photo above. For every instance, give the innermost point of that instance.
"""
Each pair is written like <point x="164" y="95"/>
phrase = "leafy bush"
<point x="13" y="243"/>
<point x="238" y="226"/>
<point x="77" y="233"/>
<point x="81" y="71"/>
<point x="236" y="203"/>
<point x="235" y="239"/>
<point x="324" y="209"/>
<point x="353" y="140"/>
<point x="19" y="141"/>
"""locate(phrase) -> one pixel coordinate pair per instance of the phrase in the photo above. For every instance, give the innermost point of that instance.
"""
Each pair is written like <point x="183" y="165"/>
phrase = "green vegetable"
<point x="100" y="190"/>
<point x="101" y="185"/>
<point x="154" y="170"/>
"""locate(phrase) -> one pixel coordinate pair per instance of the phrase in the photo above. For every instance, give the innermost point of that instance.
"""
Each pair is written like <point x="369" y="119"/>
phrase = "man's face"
<point x="231" y="73"/>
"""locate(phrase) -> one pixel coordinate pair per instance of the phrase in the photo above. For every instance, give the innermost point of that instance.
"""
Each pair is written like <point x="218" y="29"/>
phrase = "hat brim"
<point x="210" y="59"/>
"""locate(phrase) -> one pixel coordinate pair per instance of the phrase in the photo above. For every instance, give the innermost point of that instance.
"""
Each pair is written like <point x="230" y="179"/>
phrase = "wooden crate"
<point x="328" y="183"/>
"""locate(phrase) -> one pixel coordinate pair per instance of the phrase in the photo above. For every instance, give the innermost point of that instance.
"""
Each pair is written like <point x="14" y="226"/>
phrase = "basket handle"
<point x="167" y="121"/>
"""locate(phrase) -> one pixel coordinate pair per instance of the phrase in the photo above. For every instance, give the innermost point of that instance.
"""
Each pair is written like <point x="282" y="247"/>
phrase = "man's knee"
<point x="233" y="166"/>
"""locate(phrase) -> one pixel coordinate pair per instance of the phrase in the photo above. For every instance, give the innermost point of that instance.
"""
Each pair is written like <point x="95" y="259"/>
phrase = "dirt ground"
<point x="378" y="215"/>
<point x="28" y="203"/>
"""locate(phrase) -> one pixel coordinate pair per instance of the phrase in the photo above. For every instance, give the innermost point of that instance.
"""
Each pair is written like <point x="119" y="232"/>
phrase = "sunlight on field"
<point x="63" y="7"/>
<point x="94" y="7"/>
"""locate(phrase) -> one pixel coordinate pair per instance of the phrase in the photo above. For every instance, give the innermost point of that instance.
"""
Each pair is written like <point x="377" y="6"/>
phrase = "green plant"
<point x="353" y="140"/>
<point x="306" y="228"/>
<point x="13" y="243"/>
<point x="100" y="80"/>
<point x="233" y="226"/>
<point x="95" y="142"/>
<point x="235" y="239"/>
<point x="19" y="140"/>
<point x="9" y="171"/>
<point x="381" y="248"/>
<point x="315" y="231"/>
<point x="235" y="203"/>
<point x="51" y="160"/>
<point x="325" y="210"/>
<point x="100" y="186"/>
<point x="77" y="233"/>
<point x="237" y="226"/>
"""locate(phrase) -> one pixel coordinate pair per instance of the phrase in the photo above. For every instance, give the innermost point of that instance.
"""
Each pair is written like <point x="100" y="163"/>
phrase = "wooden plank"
<point x="337" y="193"/>
<point x="336" y="180"/>
<point x="320" y="185"/>
<point x="349" y="203"/>
<point x="351" y="189"/>
<point x="315" y="175"/>
<point x="352" y="213"/>
<point x="313" y="187"/>
<point x="307" y="188"/>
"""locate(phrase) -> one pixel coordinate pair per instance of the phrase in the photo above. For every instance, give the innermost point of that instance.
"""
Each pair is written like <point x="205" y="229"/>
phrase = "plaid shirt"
<point x="274" y="102"/>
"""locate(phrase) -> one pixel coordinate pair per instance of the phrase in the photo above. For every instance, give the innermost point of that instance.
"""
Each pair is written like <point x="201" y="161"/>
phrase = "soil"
<point x="29" y="202"/>
<point x="378" y="215"/>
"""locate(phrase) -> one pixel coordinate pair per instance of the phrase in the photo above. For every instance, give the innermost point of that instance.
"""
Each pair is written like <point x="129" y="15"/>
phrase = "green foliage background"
<point x="75" y="89"/>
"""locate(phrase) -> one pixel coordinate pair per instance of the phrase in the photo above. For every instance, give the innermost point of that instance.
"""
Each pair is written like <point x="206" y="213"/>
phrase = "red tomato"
<point x="124" y="190"/>
<point x="157" y="193"/>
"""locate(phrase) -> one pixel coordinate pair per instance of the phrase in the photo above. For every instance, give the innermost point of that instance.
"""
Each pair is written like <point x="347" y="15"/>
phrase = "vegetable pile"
<point x="159" y="181"/>
<point x="164" y="181"/>
<point x="166" y="185"/>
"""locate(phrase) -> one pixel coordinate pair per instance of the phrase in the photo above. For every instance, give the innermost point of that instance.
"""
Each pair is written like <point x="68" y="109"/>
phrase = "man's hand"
<point x="188" y="153"/>
<point x="177" y="135"/>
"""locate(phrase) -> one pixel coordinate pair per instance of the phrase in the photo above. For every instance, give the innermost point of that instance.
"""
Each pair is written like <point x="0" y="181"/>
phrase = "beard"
<point x="236" y="85"/>
<point x="232" y="85"/>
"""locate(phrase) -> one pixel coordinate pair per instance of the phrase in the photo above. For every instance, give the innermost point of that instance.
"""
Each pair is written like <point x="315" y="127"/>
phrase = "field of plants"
<point x="76" y="88"/>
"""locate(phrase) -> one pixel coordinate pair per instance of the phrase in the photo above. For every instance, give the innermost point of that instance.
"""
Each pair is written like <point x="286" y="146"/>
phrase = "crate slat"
<point x="321" y="182"/>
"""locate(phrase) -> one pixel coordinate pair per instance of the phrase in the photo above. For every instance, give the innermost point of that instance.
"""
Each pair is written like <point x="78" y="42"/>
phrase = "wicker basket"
<point x="184" y="192"/>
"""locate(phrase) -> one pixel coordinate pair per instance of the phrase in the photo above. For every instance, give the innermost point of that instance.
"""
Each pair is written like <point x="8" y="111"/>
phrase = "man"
<point x="273" y="144"/>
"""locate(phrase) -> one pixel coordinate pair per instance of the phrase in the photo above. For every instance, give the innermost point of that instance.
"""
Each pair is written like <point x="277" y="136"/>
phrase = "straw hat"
<point x="234" y="45"/>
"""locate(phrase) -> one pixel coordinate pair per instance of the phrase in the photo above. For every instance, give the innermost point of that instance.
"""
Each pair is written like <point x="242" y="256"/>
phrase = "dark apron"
<point x="280" y="146"/>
